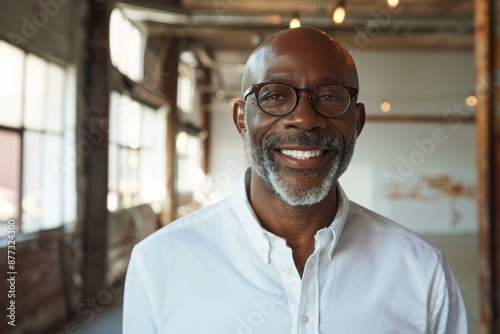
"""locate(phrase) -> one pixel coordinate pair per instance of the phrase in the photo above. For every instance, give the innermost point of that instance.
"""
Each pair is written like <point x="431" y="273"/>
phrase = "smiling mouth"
<point x="302" y="155"/>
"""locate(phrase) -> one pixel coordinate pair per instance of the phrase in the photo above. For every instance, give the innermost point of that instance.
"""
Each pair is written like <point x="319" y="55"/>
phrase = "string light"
<point x="339" y="13"/>
<point x="393" y="3"/>
<point x="385" y="106"/>
<point x="471" y="100"/>
<point x="295" y="22"/>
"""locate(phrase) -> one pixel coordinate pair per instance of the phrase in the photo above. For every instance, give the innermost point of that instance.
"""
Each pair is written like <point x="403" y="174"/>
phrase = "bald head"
<point x="300" y="43"/>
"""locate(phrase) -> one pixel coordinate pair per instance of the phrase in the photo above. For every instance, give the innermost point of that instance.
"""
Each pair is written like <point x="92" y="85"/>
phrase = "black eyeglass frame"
<point x="353" y="93"/>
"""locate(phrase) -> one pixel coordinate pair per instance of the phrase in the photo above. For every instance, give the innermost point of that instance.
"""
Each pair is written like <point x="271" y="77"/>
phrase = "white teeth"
<point x="297" y="154"/>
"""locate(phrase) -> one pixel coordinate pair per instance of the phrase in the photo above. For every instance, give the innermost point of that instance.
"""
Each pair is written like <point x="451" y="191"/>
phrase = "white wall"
<point x="228" y="159"/>
<point x="434" y="192"/>
<point x="416" y="83"/>
<point x="429" y="188"/>
<point x="422" y="175"/>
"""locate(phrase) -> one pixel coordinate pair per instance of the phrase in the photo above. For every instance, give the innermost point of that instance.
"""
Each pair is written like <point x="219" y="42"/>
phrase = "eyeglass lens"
<point x="280" y="99"/>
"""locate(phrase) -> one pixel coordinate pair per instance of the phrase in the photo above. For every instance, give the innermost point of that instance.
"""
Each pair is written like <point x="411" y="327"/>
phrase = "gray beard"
<point x="262" y="162"/>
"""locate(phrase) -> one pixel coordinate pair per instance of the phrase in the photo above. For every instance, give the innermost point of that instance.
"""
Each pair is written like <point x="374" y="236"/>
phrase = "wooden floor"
<point x="460" y="252"/>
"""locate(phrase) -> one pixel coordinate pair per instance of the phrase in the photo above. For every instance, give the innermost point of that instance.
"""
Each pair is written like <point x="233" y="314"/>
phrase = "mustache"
<point x="301" y="138"/>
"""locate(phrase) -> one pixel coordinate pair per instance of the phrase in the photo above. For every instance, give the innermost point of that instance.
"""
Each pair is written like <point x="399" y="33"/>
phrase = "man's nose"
<point x="303" y="116"/>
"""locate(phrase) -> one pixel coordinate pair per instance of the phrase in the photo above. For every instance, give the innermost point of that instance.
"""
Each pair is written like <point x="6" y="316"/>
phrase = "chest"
<point x="346" y="295"/>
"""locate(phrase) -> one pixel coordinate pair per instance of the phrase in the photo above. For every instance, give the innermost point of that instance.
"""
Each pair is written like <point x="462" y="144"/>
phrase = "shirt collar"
<point x="257" y="233"/>
<point x="248" y="218"/>
<point x="338" y="222"/>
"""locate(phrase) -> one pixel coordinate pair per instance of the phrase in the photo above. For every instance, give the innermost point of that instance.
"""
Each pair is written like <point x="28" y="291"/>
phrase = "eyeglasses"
<point x="278" y="99"/>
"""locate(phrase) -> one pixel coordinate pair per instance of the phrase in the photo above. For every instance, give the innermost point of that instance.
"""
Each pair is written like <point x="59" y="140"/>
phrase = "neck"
<point x="297" y="224"/>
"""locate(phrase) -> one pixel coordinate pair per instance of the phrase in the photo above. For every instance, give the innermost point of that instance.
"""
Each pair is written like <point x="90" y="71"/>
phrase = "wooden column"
<point x="487" y="53"/>
<point x="94" y="144"/>
<point x="171" y="67"/>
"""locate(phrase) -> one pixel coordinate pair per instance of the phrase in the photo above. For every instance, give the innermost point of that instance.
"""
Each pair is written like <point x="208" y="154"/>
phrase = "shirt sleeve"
<point x="138" y="309"/>
<point x="448" y="313"/>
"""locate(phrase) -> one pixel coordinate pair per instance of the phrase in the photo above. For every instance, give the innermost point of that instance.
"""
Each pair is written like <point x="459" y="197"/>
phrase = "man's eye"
<point x="274" y="96"/>
<point x="326" y="98"/>
<point x="329" y="96"/>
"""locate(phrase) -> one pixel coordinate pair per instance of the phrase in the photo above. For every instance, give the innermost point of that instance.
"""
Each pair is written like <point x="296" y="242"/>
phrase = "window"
<point x="190" y="176"/>
<point x="188" y="96"/>
<point x="10" y="175"/>
<point x="138" y="132"/>
<point x="189" y="157"/>
<point x="126" y="46"/>
<point x="37" y="136"/>
<point x="137" y="153"/>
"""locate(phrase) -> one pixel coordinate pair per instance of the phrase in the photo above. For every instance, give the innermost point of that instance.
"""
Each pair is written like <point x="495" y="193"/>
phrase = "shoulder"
<point x="376" y="230"/>
<point x="206" y="221"/>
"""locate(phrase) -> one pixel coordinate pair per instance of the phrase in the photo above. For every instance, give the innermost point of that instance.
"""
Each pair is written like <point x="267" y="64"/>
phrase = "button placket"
<point x="309" y="299"/>
<point x="282" y="259"/>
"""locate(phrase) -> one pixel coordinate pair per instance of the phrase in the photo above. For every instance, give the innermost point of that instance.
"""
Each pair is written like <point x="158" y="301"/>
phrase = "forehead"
<point x="302" y="59"/>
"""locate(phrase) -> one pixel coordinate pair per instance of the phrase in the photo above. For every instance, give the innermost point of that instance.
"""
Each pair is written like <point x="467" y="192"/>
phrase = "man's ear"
<point x="360" y="117"/>
<point x="238" y="115"/>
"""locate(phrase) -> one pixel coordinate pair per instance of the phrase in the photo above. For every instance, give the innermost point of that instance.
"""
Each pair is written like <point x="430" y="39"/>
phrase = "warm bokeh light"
<point x="295" y="23"/>
<point x="385" y="106"/>
<point x="339" y="15"/>
<point x="471" y="100"/>
<point x="276" y="19"/>
<point x="393" y="3"/>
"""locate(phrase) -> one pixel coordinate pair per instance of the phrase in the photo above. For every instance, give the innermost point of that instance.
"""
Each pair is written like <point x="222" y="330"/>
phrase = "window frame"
<point x="22" y="130"/>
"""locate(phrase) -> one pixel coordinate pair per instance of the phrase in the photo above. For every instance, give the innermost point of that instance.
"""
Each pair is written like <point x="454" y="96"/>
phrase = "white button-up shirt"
<point x="217" y="271"/>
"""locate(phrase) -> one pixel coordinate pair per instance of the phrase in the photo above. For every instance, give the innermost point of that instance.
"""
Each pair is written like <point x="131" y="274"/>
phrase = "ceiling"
<point x="225" y="31"/>
<point x="230" y="24"/>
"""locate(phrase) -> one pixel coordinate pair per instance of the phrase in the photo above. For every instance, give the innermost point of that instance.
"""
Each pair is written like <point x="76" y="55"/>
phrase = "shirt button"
<point x="305" y="319"/>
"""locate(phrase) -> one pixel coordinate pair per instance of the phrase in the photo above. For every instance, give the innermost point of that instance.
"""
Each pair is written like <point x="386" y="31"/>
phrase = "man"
<point x="288" y="253"/>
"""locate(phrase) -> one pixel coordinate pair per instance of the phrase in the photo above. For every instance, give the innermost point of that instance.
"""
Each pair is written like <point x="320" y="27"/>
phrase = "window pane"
<point x="69" y="177"/>
<point x="128" y="160"/>
<point x="51" y="183"/>
<point x="189" y="170"/>
<point x="70" y="97"/>
<point x="115" y="31"/>
<point x="11" y="84"/>
<point x="160" y="154"/>
<point x="32" y="190"/>
<point x="185" y="92"/>
<point x="133" y="125"/>
<point x="10" y="168"/>
<point x="35" y="97"/>
<point x="148" y="183"/>
<point x="115" y="114"/>
<point x="148" y="133"/>
<point x="113" y="178"/>
<point x="54" y="118"/>
<point x="122" y="122"/>
<point x="126" y="46"/>
<point x="134" y="51"/>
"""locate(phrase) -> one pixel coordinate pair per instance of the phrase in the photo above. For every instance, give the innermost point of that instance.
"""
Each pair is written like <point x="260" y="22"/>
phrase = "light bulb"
<point x="385" y="106"/>
<point x="295" y="23"/>
<point x="393" y="3"/>
<point x="471" y="100"/>
<point x="339" y="15"/>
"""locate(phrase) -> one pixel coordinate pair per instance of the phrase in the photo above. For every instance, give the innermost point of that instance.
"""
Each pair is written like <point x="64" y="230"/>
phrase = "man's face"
<point x="301" y="155"/>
